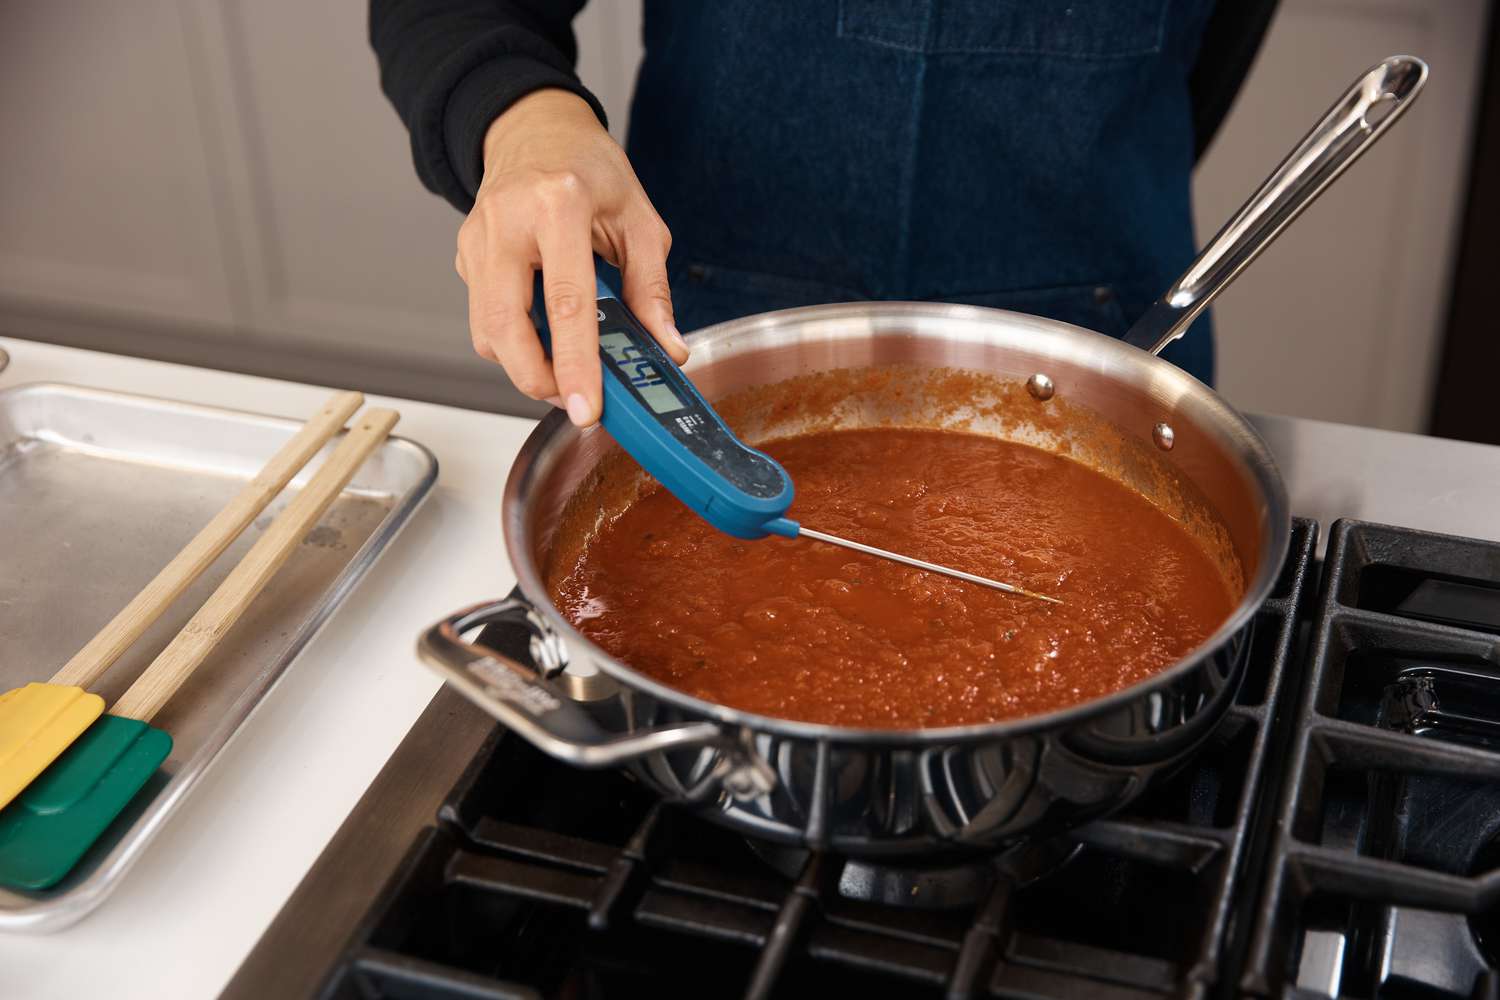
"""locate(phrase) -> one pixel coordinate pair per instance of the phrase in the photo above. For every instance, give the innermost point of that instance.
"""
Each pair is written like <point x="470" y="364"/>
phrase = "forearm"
<point x="451" y="67"/>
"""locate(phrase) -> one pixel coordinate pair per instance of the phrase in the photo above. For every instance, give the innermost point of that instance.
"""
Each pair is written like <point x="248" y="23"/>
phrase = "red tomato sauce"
<point x="804" y="630"/>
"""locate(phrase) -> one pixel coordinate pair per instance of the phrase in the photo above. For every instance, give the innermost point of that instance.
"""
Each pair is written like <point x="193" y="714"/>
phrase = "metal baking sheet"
<point x="98" y="490"/>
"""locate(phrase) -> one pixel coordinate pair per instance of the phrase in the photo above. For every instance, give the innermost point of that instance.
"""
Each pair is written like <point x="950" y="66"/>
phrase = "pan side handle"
<point x="1362" y="115"/>
<point x="539" y="712"/>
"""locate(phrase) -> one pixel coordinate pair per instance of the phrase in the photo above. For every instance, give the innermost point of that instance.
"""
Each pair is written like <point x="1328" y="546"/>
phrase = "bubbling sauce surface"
<point x="803" y="630"/>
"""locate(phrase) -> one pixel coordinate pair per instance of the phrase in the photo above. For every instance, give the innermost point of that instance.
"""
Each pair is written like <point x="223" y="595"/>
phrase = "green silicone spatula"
<point x="49" y="826"/>
<point x="41" y="720"/>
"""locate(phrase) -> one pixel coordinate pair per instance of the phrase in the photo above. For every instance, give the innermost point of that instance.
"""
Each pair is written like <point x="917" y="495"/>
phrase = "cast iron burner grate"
<point x="1384" y="876"/>
<point x="543" y="881"/>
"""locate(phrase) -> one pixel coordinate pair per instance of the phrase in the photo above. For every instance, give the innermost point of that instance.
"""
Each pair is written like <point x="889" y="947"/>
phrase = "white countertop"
<point x="189" y="912"/>
<point x="1334" y="471"/>
<point x="186" y="915"/>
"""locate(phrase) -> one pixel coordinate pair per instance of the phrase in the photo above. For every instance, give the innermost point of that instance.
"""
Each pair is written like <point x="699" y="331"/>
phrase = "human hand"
<point x="556" y="190"/>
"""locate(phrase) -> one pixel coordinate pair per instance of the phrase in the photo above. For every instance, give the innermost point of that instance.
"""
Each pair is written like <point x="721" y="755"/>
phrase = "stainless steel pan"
<point x="919" y="791"/>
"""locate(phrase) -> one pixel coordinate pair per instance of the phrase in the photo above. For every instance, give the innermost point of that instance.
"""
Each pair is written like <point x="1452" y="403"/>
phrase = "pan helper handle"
<point x="540" y="713"/>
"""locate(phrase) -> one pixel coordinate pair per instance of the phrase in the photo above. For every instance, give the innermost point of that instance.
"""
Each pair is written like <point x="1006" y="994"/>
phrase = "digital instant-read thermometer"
<point x="657" y="415"/>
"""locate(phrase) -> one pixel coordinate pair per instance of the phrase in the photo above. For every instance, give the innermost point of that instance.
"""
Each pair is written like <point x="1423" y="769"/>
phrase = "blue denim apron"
<point x="1025" y="154"/>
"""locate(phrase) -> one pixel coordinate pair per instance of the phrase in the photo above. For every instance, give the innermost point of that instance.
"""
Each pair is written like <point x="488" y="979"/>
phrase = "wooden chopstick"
<point x="100" y="652"/>
<point x="218" y="614"/>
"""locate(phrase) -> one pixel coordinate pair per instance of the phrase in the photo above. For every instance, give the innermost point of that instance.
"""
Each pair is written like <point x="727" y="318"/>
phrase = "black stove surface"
<point x="1384" y="873"/>
<point x="1339" y="837"/>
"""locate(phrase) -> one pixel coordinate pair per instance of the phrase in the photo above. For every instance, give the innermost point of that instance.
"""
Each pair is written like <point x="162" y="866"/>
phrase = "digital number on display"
<point x="631" y="361"/>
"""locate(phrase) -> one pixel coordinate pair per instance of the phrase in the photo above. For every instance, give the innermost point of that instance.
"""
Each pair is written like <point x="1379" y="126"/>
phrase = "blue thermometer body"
<point x="657" y="415"/>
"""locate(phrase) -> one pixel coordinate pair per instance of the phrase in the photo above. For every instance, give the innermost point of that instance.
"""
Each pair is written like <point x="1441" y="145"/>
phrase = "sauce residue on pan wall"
<point x="802" y="630"/>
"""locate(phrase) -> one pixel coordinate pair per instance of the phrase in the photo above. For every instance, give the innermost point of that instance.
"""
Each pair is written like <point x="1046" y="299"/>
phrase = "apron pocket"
<point x="1075" y="29"/>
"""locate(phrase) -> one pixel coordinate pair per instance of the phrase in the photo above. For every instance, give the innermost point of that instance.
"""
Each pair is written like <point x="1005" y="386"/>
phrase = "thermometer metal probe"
<point x="1009" y="588"/>
<point x="658" y="416"/>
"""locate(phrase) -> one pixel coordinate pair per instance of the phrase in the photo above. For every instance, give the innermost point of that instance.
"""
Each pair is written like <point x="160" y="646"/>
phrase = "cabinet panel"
<point x="1341" y="318"/>
<point x="340" y="241"/>
<point x="343" y="247"/>
<point x="106" y="200"/>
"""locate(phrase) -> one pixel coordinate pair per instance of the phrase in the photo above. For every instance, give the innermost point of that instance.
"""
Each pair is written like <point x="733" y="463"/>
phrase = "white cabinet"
<point x="337" y="240"/>
<point x="180" y="167"/>
<point x="107" y="198"/>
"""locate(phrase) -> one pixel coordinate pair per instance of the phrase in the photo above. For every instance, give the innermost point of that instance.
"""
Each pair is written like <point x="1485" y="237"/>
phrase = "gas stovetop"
<point x="1333" y="839"/>
<point x="1382" y="875"/>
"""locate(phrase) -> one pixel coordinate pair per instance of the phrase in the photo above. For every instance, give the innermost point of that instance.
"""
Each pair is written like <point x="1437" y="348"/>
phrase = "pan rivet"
<point x="1040" y="386"/>
<point x="1163" y="436"/>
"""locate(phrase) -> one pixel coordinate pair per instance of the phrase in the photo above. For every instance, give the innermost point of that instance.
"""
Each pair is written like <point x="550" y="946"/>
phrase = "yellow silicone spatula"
<point x="40" y="720"/>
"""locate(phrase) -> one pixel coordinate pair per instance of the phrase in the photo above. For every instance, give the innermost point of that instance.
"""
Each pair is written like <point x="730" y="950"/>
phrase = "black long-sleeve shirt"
<point x="452" y="66"/>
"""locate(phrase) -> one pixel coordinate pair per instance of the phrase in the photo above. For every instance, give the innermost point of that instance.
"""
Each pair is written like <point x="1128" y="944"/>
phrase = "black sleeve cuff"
<point x="473" y="86"/>
<point x="481" y="97"/>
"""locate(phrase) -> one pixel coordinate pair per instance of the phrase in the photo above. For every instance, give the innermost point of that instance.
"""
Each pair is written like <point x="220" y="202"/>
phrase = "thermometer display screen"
<point x="644" y="387"/>
<point x="642" y="375"/>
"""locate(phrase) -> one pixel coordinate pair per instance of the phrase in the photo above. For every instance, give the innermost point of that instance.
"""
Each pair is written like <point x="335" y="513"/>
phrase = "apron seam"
<point x="909" y="167"/>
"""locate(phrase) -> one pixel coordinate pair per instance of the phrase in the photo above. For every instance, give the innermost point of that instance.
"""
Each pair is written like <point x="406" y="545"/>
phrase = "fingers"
<point x="500" y="325"/>
<point x="566" y="245"/>
<point x="527" y="219"/>
<point x="643" y="275"/>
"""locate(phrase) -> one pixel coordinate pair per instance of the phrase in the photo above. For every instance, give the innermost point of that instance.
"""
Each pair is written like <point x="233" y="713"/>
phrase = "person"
<point x="1033" y="155"/>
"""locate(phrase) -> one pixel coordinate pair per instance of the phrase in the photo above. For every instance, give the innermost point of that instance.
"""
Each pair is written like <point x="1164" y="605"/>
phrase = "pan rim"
<point x="1275" y="541"/>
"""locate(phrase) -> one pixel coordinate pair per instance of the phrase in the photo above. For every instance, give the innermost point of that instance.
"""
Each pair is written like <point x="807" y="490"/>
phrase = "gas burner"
<point x="930" y="884"/>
